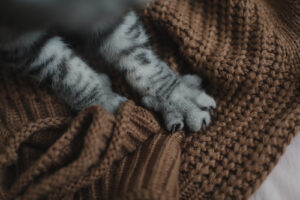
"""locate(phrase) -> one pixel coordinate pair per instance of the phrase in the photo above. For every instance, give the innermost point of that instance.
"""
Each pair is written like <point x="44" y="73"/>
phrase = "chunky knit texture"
<point x="249" y="52"/>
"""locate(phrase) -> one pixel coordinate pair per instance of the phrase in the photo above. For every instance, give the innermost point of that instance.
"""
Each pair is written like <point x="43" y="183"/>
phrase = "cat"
<point x="31" y="42"/>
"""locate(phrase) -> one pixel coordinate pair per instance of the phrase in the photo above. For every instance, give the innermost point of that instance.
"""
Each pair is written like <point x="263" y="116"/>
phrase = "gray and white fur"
<point x="38" y="50"/>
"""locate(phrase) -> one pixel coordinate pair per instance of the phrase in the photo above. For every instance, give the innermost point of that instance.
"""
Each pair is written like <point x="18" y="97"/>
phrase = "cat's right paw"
<point x="187" y="105"/>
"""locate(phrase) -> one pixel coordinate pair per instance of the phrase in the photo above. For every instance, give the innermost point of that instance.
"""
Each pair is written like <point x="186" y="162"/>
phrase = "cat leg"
<point x="50" y="61"/>
<point x="180" y="99"/>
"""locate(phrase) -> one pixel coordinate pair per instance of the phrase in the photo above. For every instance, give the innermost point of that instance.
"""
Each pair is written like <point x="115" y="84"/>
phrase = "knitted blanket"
<point x="248" y="50"/>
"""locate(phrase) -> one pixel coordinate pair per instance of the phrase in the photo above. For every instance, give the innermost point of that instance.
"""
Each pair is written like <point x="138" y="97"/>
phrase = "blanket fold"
<point x="248" y="53"/>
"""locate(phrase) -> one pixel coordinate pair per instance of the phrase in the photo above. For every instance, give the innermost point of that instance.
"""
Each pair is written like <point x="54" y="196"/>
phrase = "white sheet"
<point x="283" y="183"/>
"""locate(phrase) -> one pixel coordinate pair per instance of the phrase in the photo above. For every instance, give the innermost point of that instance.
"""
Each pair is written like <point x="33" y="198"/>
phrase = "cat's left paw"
<point x="187" y="105"/>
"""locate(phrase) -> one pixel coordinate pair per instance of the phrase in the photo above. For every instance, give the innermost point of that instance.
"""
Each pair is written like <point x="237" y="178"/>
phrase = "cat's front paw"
<point x="187" y="105"/>
<point x="111" y="102"/>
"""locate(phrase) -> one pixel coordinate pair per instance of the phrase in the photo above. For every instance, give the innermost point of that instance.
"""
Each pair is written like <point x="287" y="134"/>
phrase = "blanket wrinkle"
<point x="248" y="52"/>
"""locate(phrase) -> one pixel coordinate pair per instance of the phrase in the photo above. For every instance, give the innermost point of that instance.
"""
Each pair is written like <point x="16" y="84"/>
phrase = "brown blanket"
<point x="249" y="52"/>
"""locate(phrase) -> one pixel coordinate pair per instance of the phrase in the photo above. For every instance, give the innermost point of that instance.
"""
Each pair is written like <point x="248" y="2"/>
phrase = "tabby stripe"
<point x="48" y="79"/>
<point x="129" y="71"/>
<point x="163" y="83"/>
<point x="161" y="79"/>
<point x="62" y="69"/>
<point x="167" y="92"/>
<point x="80" y="91"/>
<point x="133" y="48"/>
<point x="37" y="47"/>
<point x="155" y="76"/>
<point x="168" y="86"/>
<point x="93" y="94"/>
<point x="32" y="54"/>
<point x="142" y="57"/>
<point x="138" y="33"/>
<point x="138" y="78"/>
<point x="36" y="69"/>
<point x="133" y="27"/>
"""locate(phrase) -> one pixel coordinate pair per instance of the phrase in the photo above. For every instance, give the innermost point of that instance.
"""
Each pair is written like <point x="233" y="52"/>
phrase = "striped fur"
<point x="47" y="58"/>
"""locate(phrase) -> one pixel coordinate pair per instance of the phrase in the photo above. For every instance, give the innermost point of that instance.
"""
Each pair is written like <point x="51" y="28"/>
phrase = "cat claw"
<point x="176" y="127"/>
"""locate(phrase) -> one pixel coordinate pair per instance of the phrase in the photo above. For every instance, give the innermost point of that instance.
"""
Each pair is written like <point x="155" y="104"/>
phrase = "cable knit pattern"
<point x="248" y="50"/>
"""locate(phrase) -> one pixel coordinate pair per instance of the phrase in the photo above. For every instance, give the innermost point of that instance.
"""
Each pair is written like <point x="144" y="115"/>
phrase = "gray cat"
<point x="31" y="42"/>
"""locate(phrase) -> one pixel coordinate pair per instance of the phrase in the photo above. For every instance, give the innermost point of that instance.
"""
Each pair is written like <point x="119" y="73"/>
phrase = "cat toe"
<point x="205" y="102"/>
<point x="192" y="80"/>
<point x="197" y="119"/>
<point x="174" y="121"/>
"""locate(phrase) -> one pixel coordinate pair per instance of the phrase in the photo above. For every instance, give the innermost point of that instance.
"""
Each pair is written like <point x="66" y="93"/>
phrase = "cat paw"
<point x="187" y="105"/>
<point x="111" y="102"/>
